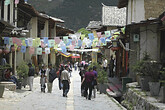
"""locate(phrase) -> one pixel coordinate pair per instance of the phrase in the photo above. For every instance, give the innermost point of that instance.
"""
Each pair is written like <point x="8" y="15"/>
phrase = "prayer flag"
<point x="98" y="34"/>
<point x="6" y="40"/>
<point x="26" y="42"/>
<point x="42" y="44"/>
<point x="45" y="40"/>
<point x="10" y="41"/>
<point x="30" y="42"/>
<point x="51" y="43"/>
<point x="7" y="2"/>
<point x="107" y="33"/>
<point x="16" y="1"/>
<point x="31" y="50"/>
<point x="71" y="47"/>
<point x="79" y="43"/>
<point x="23" y="43"/>
<point x="91" y="36"/>
<point x="47" y="50"/>
<point x="64" y="50"/>
<point x="39" y="51"/>
<point x="82" y="36"/>
<point x="102" y="39"/>
<point x="23" y="49"/>
<point x="65" y="39"/>
<point x="57" y="40"/>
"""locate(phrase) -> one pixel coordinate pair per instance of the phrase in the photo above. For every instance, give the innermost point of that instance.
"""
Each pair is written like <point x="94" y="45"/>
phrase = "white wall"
<point x="149" y="42"/>
<point x="136" y="11"/>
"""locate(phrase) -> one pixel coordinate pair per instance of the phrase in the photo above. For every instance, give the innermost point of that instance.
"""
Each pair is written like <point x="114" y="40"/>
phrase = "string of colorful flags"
<point x="71" y="42"/>
<point x="7" y="2"/>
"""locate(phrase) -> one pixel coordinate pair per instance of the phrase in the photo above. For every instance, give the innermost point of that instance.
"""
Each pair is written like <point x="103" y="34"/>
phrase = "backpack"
<point x="52" y="75"/>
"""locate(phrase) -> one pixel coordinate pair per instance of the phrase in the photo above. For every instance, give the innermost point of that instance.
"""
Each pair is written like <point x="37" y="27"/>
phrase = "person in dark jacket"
<point x="43" y="75"/>
<point x="30" y="76"/>
<point x="82" y="74"/>
<point x="89" y="78"/>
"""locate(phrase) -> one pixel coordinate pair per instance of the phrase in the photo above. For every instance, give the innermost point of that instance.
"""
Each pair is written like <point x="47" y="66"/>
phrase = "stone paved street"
<point x="27" y="100"/>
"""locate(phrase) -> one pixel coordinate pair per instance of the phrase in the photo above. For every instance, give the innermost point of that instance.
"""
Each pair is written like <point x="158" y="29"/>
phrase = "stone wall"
<point x="135" y="99"/>
<point x="153" y="8"/>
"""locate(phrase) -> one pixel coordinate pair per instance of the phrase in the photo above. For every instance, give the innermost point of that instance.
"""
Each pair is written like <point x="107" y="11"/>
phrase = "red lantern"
<point x="1" y="51"/>
<point x="12" y="49"/>
<point x="6" y="51"/>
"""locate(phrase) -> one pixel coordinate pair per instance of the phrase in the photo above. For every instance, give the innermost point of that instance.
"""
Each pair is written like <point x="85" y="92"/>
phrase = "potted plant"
<point x="22" y="72"/>
<point x="142" y="72"/>
<point x="102" y="81"/>
<point x="154" y="84"/>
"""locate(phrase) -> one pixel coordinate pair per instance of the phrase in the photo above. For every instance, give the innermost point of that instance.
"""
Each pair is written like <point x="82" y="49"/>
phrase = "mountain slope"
<point x="76" y="13"/>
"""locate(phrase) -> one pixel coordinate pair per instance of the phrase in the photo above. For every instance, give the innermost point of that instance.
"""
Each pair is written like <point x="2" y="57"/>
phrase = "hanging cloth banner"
<point x="19" y="42"/>
<point x="91" y="36"/>
<point x="57" y="40"/>
<point x="45" y="40"/>
<point x="107" y="33"/>
<point x="15" y="46"/>
<point x="30" y="42"/>
<point x="98" y="34"/>
<point x="16" y="1"/>
<point x="51" y="43"/>
<point x="64" y="50"/>
<point x="38" y="41"/>
<point x="26" y="42"/>
<point x="71" y="47"/>
<point x="65" y="39"/>
<point x="7" y="2"/>
<point x="39" y="51"/>
<point x="82" y="36"/>
<point x="47" y="50"/>
<point x="31" y="50"/>
<point x="95" y="34"/>
<point x="42" y="44"/>
<point x="10" y="41"/>
<point x="23" y="49"/>
<point x="102" y="39"/>
<point x="6" y="40"/>
<point x="23" y="43"/>
<point x="69" y="42"/>
<point x="79" y="43"/>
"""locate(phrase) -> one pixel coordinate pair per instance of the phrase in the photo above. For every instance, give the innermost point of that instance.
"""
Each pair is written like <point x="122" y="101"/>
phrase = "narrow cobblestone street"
<point x="27" y="100"/>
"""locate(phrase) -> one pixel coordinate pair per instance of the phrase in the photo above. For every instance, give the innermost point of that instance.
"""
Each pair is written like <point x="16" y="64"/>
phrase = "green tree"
<point x="84" y="31"/>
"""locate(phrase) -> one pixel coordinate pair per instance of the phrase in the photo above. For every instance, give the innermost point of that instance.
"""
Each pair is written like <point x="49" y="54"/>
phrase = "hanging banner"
<point x="42" y="44"/>
<point x="95" y="34"/>
<point x="30" y="42"/>
<point x="10" y="41"/>
<point x="65" y="39"/>
<point x="23" y="49"/>
<point x="51" y="43"/>
<point x="38" y="41"/>
<point x="82" y="36"/>
<point x="102" y="39"/>
<point x="7" y="2"/>
<point x="79" y="43"/>
<point x="16" y="1"/>
<point x="47" y="50"/>
<point x="57" y="40"/>
<point x="69" y="42"/>
<point x="91" y="36"/>
<point x="71" y="47"/>
<point x="31" y="50"/>
<point x="6" y="40"/>
<point x="45" y="40"/>
<point x="26" y="42"/>
<point x="39" y="51"/>
<point x="107" y="33"/>
<point x="98" y="34"/>
<point x="23" y="43"/>
<point x="64" y="50"/>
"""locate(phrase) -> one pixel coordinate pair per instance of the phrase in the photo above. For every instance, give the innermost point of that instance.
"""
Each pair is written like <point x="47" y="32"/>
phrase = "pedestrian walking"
<point x="105" y="64"/>
<point x="30" y="76"/>
<point x="59" y="76"/>
<point x="51" y="76"/>
<point x="65" y="80"/>
<point x="111" y="67"/>
<point x="82" y="75"/>
<point x="89" y="77"/>
<point x="42" y="73"/>
<point x="94" y="81"/>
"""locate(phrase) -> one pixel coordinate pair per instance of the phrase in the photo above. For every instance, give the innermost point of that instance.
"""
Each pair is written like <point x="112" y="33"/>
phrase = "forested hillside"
<point x="76" y="13"/>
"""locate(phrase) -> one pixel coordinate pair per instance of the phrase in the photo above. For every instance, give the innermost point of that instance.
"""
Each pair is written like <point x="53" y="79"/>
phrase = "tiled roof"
<point x="94" y="25"/>
<point x="113" y="16"/>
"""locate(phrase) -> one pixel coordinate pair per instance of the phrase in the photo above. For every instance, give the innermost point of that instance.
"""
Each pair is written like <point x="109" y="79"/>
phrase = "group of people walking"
<point x="88" y="81"/>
